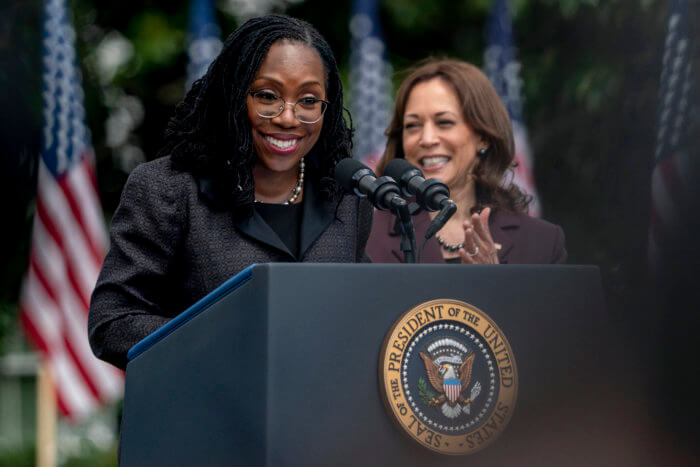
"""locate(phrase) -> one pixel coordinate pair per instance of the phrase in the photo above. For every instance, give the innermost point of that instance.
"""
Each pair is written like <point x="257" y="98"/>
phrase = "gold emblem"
<point x="448" y="376"/>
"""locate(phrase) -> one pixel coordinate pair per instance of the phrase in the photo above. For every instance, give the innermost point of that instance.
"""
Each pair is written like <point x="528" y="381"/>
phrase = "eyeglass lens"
<point x="306" y="110"/>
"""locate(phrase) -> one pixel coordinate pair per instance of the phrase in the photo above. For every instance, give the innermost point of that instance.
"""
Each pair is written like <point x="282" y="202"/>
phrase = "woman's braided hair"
<point x="210" y="134"/>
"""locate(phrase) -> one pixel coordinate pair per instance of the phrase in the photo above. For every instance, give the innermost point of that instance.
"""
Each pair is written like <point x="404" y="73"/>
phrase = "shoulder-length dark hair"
<point x="484" y="112"/>
<point x="210" y="134"/>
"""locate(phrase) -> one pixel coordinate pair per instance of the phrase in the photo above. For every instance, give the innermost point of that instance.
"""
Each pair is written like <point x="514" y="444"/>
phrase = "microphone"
<point x="384" y="193"/>
<point x="359" y="179"/>
<point x="431" y="194"/>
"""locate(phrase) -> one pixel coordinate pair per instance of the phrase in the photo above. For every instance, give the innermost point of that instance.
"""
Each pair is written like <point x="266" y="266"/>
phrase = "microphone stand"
<point x="448" y="209"/>
<point x="399" y="207"/>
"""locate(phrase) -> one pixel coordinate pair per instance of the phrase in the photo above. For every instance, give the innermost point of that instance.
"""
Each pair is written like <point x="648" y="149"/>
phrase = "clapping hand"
<point x="479" y="247"/>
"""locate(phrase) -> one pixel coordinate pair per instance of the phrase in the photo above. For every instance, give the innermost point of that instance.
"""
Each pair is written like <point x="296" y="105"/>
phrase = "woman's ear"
<point x="483" y="147"/>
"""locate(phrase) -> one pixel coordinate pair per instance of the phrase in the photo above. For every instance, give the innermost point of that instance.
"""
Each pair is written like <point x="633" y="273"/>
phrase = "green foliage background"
<point x="590" y="70"/>
<point x="591" y="73"/>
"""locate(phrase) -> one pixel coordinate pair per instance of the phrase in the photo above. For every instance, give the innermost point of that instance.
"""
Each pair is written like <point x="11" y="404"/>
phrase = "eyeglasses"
<point x="306" y="109"/>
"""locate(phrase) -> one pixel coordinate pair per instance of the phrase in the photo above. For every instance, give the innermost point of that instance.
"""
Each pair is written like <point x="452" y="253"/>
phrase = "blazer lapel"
<point x="504" y="228"/>
<point x="318" y="215"/>
<point x="256" y="227"/>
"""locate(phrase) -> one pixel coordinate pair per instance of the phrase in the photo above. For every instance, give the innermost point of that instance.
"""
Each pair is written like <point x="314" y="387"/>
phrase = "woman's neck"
<point x="274" y="187"/>
<point x="465" y="199"/>
<point x="453" y="231"/>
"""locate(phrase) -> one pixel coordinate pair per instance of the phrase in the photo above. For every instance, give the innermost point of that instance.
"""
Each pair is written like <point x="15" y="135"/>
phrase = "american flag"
<point x="370" y="83"/>
<point x="204" y="39"/>
<point x="68" y="236"/>
<point x="503" y="70"/>
<point x="671" y="183"/>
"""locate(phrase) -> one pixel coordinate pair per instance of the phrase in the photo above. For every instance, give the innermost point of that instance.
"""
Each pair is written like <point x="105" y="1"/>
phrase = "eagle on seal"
<point x="451" y="383"/>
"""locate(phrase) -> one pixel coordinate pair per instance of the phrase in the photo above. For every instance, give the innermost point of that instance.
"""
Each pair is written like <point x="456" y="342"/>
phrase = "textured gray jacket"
<point x="170" y="247"/>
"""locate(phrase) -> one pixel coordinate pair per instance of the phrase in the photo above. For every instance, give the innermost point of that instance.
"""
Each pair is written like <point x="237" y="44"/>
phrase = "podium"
<point x="278" y="366"/>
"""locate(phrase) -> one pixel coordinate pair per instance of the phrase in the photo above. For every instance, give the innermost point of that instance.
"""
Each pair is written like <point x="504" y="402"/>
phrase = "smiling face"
<point x="293" y="71"/>
<point x="435" y="136"/>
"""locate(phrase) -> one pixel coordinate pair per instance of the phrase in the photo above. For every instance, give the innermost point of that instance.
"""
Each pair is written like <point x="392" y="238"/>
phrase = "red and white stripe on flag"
<point x="68" y="245"/>
<point x="68" y="237"/>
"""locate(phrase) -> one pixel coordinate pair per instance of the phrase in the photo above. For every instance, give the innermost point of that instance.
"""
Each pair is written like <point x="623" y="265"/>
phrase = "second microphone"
<point x="359" y="179"/>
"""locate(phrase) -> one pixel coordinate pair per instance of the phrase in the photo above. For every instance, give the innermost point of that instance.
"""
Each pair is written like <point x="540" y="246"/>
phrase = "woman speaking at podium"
<point x="450" y="123"/>
<point x="245" y="176"/>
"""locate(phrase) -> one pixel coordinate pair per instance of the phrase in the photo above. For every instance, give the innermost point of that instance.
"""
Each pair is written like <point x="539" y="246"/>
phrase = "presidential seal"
<point x="448" y="377"/>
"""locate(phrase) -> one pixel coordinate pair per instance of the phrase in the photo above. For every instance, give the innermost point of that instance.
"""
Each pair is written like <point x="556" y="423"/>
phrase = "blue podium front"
<point x="279" y="366"/>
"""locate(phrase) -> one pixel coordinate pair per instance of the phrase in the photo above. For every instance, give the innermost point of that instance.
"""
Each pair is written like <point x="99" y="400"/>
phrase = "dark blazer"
<point x="170" y="246"/>
<point x="522" y="239"/>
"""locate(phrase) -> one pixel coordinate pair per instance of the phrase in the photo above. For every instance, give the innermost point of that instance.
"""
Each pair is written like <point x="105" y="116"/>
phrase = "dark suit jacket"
<point x="170" y="246"/>
<point x="523" y="239"/>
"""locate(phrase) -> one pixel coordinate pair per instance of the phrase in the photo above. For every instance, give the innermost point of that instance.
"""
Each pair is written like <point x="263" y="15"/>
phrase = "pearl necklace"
<point x="298" y="186"/>
<point x="448" y="246"/>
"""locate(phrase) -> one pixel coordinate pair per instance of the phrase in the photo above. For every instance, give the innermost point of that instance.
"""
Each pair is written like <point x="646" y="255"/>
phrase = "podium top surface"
<point x="197" y="308"/>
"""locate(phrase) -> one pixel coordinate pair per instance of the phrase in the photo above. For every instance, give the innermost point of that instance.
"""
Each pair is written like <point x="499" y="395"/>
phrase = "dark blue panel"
<point x="225" y="288"/>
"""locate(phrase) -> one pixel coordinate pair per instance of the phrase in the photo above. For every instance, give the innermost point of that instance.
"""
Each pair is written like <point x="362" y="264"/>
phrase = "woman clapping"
<point x="450" y="122"/>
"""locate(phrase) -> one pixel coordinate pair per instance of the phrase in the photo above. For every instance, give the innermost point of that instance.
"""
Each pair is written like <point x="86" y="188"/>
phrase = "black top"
<point x="285" y="220"/>
<point x="455" y="260"/>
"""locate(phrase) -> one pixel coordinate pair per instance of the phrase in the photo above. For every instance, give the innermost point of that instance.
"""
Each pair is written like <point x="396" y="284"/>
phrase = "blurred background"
<point x="590" y="89"/>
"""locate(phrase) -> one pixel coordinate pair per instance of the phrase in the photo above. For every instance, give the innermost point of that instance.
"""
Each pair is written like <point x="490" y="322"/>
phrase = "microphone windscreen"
<point x="396" y="168"/>
<point x="345" y="170"/>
